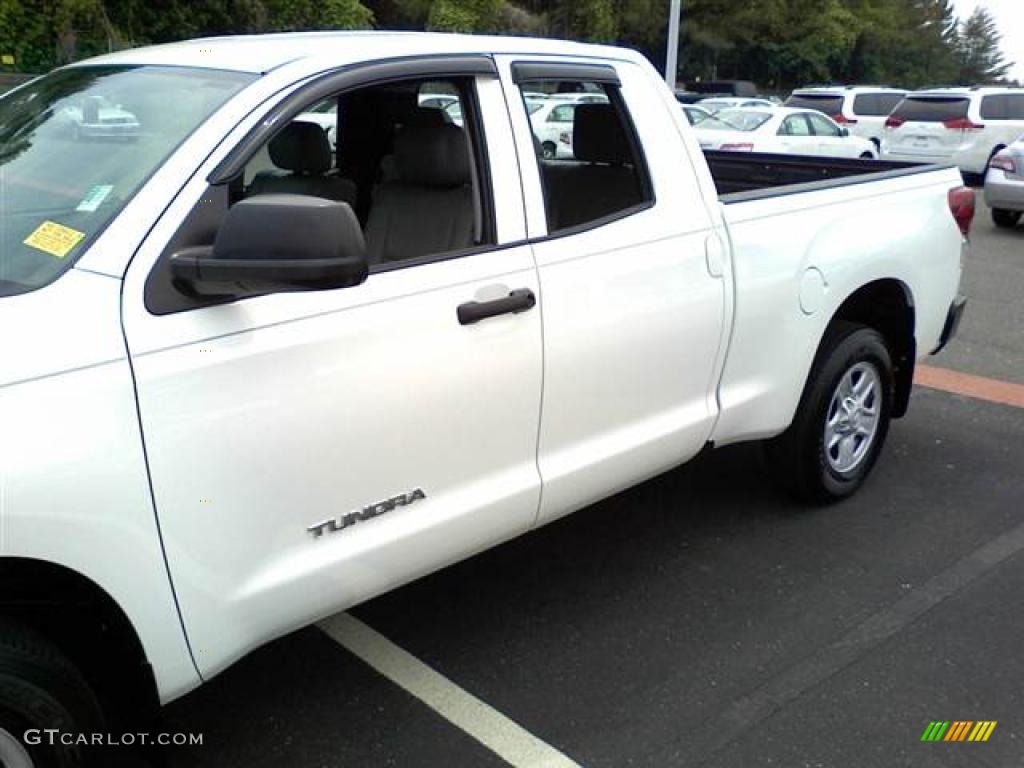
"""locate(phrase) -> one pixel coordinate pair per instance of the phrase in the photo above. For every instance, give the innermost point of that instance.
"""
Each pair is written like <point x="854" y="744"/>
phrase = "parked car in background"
<point x="1004" y="185"/>
<point x="781" y="130"/>
<point x="862" y="109"/>
<point x="963" y="126"/>
<point x="718" y="103"/>
<point x="695" y="114"/>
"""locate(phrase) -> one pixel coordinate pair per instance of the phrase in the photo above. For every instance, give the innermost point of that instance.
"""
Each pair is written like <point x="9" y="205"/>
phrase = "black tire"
<point x="548" y="150"/>
<point x="40" y="689"/>
<point x="1004" y="218"/>
<point x="798" y="457"/>
<point x="867" y="156"/>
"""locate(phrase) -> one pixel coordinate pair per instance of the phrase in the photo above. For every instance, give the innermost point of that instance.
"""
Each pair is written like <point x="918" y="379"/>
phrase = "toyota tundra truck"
<point x="250" y="377"/>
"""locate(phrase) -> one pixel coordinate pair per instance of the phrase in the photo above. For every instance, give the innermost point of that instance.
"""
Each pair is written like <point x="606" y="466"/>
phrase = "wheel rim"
<point x="12" y="752"/>
<point x="851" y="422"/>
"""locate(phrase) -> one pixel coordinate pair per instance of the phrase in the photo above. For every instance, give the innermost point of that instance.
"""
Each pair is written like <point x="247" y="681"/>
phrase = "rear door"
<point x="829" y="141"/>
<point x="633" y="285"/>
<point x="309" y="450"/>
<point x="796" y="137"/>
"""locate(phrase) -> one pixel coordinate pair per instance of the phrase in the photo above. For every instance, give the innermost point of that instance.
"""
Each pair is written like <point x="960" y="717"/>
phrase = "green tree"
<point x="981" y="58"/>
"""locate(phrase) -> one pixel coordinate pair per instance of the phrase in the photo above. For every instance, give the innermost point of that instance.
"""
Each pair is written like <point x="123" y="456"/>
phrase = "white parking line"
<point x="507" y="739"/>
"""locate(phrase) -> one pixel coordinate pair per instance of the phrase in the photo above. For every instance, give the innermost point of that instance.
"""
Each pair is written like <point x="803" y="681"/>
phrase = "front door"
<point x="310" y="450"/>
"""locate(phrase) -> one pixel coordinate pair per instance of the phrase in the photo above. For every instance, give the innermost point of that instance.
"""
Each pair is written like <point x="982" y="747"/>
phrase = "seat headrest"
<point x="597" y="135"/>
<point x="302" y="147"/>
<point x="424" y="116"/>
<point x="432" y="155"/>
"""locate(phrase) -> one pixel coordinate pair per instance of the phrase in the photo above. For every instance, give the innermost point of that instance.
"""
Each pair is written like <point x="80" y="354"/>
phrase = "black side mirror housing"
<point x="273" y="244"/>
<point x="844" y="132"/>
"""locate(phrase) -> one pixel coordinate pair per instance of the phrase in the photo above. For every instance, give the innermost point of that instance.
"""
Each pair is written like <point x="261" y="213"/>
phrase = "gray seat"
<point x="603" y="181"/>
<point x="304" y="151"/>
<point x="428" y="206"/>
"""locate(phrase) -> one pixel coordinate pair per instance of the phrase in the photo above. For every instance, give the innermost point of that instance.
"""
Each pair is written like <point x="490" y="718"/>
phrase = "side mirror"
<point x="276" y="243"/>
<point x="844" y="132"/>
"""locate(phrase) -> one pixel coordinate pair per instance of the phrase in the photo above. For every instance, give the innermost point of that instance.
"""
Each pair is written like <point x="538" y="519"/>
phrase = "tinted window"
<point x="876" y="104"/>
<point x="591" y="168"/>
<point x="1015" y="106"/>
<point x="931" y="109"/>
<point x="829" y="103"/>
<point x="1003" y="106"/>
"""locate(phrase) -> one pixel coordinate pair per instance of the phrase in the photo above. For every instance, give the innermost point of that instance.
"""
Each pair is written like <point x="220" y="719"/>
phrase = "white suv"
<point x="964" y="126"/>
<point x="861" y="109"/>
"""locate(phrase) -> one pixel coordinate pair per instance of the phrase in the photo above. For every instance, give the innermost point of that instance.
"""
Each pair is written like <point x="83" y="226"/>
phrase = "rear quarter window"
<point x="876" y="104"/>
<point x="931" y="109"/>
<point x="829" y="104"/>
<point x="1003" y="106"/>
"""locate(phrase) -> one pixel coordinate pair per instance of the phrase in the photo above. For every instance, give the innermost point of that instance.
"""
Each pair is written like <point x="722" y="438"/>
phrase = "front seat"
<point x="303" y="150"/>
<point x="428" y="206"/>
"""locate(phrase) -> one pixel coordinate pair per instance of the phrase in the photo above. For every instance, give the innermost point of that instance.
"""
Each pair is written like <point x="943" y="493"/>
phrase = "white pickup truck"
<point x="248" y="379"/>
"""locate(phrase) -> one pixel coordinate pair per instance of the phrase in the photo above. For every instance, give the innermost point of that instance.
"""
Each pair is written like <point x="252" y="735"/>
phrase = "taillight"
<point x="962" y="124"/>
<point x="961" y="205"/>
<point x="894" y="122"/>
<point x="737" y="147"/>
<point x="843" y="119"/>
<point x="1004" y="162"/>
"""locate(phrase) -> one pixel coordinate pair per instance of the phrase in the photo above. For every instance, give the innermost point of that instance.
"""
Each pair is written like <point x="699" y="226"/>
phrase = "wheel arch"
<point x="88" y="626"/>
<point x="887" y="305"/>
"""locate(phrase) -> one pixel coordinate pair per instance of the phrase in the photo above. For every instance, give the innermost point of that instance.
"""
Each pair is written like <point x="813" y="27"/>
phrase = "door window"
<point x="402" y="156"/>
<point x="795" y="125"/>
<point x="591" y="165"/>
<point x="822" y="127"/>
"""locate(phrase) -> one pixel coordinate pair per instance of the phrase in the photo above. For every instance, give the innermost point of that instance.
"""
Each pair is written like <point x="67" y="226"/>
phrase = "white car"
<point x="962" y="126"/>
<point x="552" y="124"/>
<point x="716" y="104"/>
<point x="1004" y="185"/>
<point x="862" y="109"/>
<point x="229" y="412"/>
<point x="781" y="130"/>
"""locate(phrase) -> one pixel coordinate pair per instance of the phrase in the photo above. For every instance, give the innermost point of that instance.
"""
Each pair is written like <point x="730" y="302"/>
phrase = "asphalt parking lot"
<point x="701" y="618"/>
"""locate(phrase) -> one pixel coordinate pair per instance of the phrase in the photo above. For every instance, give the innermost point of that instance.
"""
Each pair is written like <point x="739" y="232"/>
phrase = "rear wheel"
<point x="842" y="420"/>
<point x="1005" y="218"/>
<point x="40" y="690"/>
<point x="867" y="156"/>
<point x="548" y="150"/>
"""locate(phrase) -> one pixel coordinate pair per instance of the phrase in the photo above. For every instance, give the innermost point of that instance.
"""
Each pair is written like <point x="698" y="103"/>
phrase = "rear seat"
<point x="602" y="181"/>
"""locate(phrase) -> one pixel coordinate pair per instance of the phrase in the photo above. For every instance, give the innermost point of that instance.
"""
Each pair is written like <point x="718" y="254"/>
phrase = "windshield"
<point x="75" y="146"/>
<point x="736" y="120"/>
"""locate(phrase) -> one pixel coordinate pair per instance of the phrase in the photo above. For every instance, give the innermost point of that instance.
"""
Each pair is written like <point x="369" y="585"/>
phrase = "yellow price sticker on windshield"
<point x="54" y="239"/>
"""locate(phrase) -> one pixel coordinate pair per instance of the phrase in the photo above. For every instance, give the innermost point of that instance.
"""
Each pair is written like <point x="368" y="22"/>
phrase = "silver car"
<point x="1004" y="185"/>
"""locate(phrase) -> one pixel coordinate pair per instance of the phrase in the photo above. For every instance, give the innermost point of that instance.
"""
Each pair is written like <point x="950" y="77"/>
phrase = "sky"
<point x="1009" y="15"/>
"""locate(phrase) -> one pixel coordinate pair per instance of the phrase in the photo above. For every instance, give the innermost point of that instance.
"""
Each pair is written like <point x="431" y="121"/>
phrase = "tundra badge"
<point x="366" y="513"/>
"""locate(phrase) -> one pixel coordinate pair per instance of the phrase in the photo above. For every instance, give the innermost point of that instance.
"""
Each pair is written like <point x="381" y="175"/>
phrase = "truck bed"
<point x="743" y="176"/>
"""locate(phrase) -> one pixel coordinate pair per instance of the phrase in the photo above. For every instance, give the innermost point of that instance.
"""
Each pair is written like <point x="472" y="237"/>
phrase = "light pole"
<point x="672" y="57"/>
